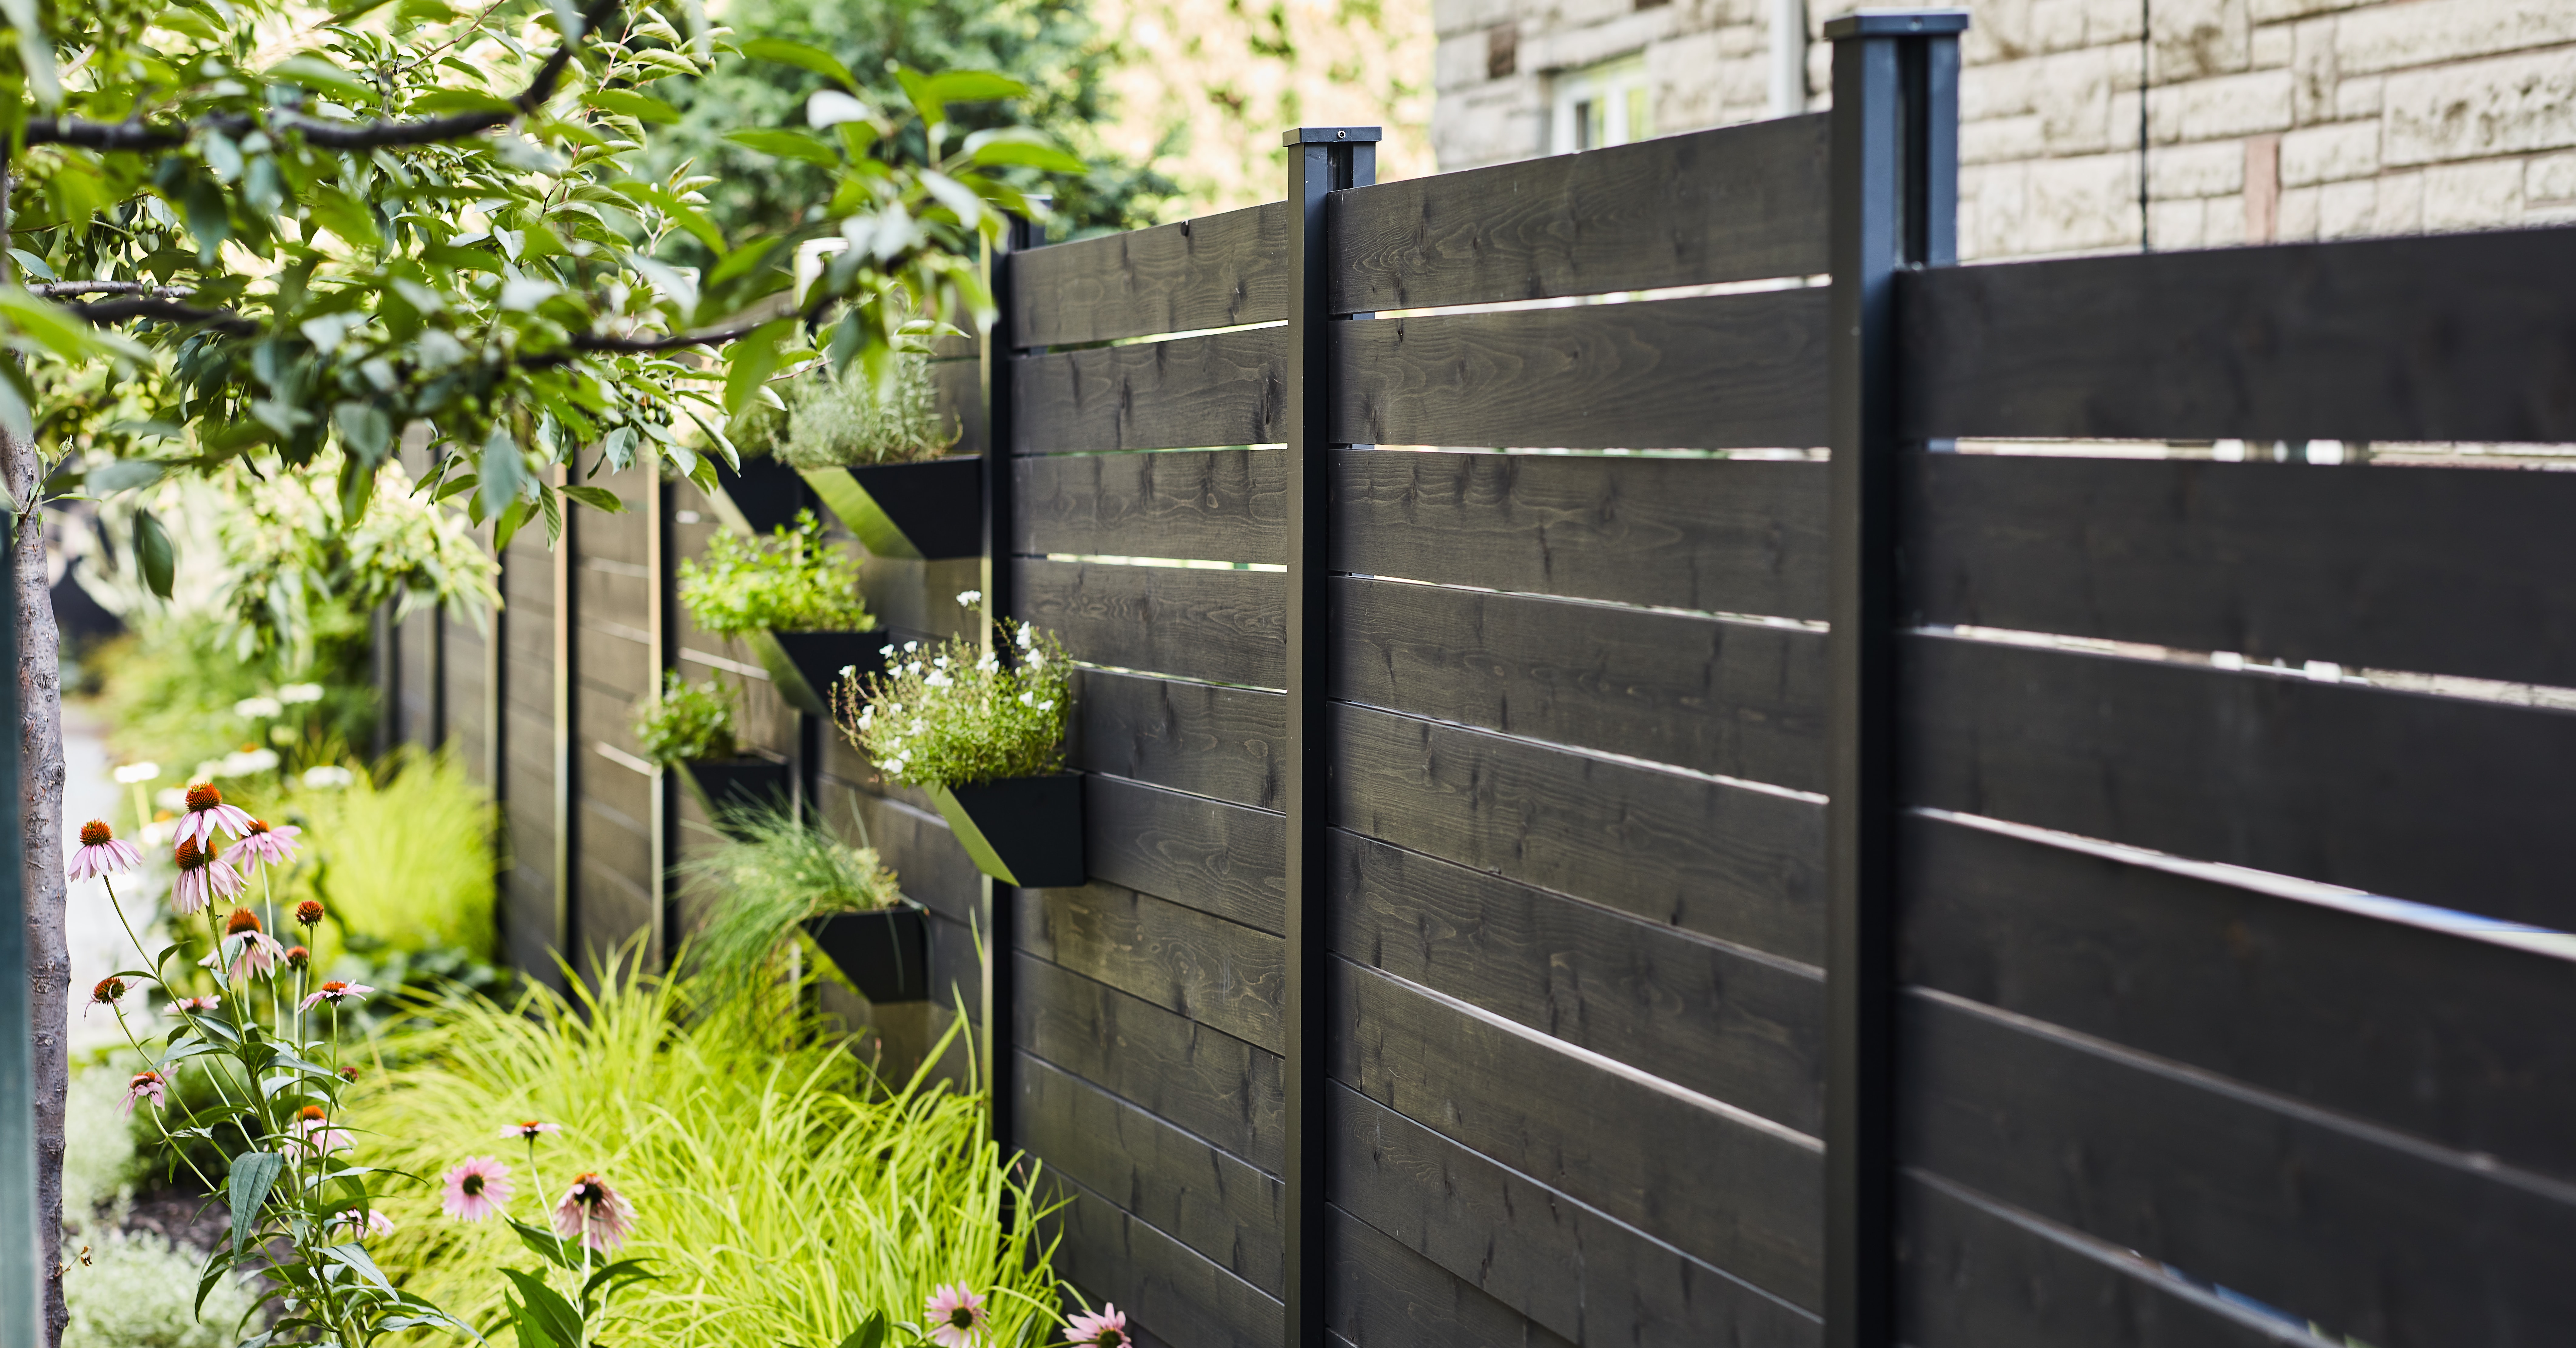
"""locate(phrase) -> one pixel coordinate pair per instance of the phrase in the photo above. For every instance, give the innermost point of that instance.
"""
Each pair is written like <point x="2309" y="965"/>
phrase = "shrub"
<point x="954" y="713"/>
<point x="775" y="871"/>
<point x="791" y="581"/>
<point x="98" y="1142"/>
<point x="840" y="421"/>
<point x="403" y="855"/>
<point x="140" y="1291"/>
<point x="688" y="723"/>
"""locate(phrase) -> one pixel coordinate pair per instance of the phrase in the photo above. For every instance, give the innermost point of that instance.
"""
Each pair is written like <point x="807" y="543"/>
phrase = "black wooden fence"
<point x="1663" y="882"/>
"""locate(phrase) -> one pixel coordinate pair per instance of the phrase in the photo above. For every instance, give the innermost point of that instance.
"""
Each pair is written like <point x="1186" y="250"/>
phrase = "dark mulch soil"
<point x="183" y="1215"/>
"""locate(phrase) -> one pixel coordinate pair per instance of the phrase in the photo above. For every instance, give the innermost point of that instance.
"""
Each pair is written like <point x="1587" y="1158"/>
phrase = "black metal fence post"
<point x="1895" y="176"/>
<point x="1321" y="159"/>
<point x="1001" y="598"/>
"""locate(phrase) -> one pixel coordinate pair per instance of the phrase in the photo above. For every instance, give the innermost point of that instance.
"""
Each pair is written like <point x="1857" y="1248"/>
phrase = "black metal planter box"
<point x="1024" y="831"/>
<point x="722" y="785"/>
<point x="885" y="952"/>
<point x="765" y="494"/>
<point x="928" y="510"/>
<point x="805" y="665"/>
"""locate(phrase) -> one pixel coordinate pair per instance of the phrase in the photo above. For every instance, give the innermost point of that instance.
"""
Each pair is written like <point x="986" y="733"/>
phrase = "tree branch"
<point x="54" y="290"/>
<point x="151" y="310"/>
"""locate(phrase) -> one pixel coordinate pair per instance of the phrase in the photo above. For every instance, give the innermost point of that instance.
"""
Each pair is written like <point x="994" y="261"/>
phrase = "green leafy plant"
<point x="687" y="723"/>
<point x="139" y="1290"/>
<point x="845" y="420"/>
<point x="956" y="712"/>
<point x="402" y="857"/>
<point x="790" y="581"/>
<point x="772" y="872"/>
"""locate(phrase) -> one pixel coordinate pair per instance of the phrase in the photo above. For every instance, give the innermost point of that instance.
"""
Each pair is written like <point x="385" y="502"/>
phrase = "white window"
<point x="1597" y="105"/>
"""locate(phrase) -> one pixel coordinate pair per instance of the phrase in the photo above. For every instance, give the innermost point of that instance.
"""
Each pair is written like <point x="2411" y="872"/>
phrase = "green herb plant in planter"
<point x="794" y="599"/>
<point x="689" y="729"/>
<point x="877" y="453"/>
<point x="983" y="732"/>
<point x="781" y="876"/>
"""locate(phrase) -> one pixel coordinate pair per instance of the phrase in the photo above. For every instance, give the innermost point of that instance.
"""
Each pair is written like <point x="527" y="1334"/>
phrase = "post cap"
<point x="1897" y="23"/>
<point x="1330" y="135"/>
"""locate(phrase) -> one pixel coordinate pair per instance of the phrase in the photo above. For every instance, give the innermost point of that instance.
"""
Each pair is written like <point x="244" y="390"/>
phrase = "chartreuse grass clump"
<point x="780" y="1194"/>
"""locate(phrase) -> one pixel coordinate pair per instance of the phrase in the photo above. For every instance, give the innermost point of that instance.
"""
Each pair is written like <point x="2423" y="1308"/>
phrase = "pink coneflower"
<point x="146" y="1085"/>
<point x="313" y="1132"/>
<point x="358" y="1224"/>
<point x="478" y="1188"/>
<point x="595" y="1213"/>
<point x="274" y="846"/>
<point x="101" y="854"/>
<point x="203" y="878"/>
<point x="955" y="1315"/>
<point x="334" y="992"/>
<point x="195" y="1003"/>
<point x="528" y="1129"/>
<point x="297" y="957"/>
<point x="108" y="993"/>
<point x="309" y="913"/>
<point x="1108" y="1329"/>
<point x="207" y="812"/>
<point x="255" y="953"/>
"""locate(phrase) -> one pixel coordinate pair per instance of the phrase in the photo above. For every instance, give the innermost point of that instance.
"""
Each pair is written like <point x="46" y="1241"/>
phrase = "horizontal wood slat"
<point x="2450" y="1038"/>
<point x="1379" y="1292"/>
<point x="1213" y="971"/>
<point x="1714" y="535"/>
<point x="1213" y="272"/>
<point x="1725" y="861"/>
<point x="1194" y="737"/>
<point x="2445" y="570"/>
<point x="1228" y="388"/>
<point x="1575" y="1270"/>
<point x="1734" y="698"/>
<point x="2463" y="337"/>
<point x="1746" y="1199"/>
<point x="1220" y="626"/>
<point x="1201" y="1080"/>
<point x="1230" y="860"/>
<point x="1226" y="505"/>
<point x="1737" y="203"/>
<point x="1717" y="372"/>
<point x="2399" y="1245"/>
<point x="1177" y="1295"/>
<point x="1733" y="1026"/>
<point x="2438" y="799"/>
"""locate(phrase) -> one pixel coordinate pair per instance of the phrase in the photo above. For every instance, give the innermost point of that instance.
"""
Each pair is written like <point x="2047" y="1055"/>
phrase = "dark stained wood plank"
<point x="1229" y="860"/>
<point x="1713" y="535"/>
<point x="1213" y="971"/>
<point x="959" y="390"/>
<point x="1568" y="1266"/>
<point x="2441" y="800"/>
<point x="1219" y="626"/>
<point x="925" y="856"/>
<point x="1734" y="204"/>
<point x="1715" y="372"/>
<point x="1214" y="272"/>
<point x="1713" y="1018"/>
<point x="1975" y="1275"/>
<point x="1380" y="1292"/>
<point x="1729" y="1190"/>
<point x="1174" y="1293"/>
<point x="1229" y="388"/>
<point x="1194" y="737"/>
<point x="2444" y="570"/>
<point x="1199" y="1079"/>
<point x="956" y="969"/>
<point x="2395" y="1243"/>
<point x="1714" y="695"/>
<point x="2450" y="1038"/>
<point x="1218" y="1206"/>
<point x="2464" y="337"/>
<point x="1227" y="505"/>
<point x="1725" y="861"/>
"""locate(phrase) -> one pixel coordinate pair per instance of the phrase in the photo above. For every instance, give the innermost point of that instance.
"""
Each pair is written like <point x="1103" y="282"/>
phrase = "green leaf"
<point x="123" y="475"/>
<point x="597" y="498"/>
<point x="1019" y="145"/>
<point x="970" y="86"/>
<point x="787" y="144"/>
<point x="626" y="102"/>
<point x="870" y="1333"/>
<point x="247" y="1186"/>
<point x="798" y="54"/>
<point x="155" y="558"/>
<point x="623" y="1273"/>
<point x="753" y="360"/>
<point x="547" y="1245"/>
<point x="313" y="72"/>
<point x="441" y="102"/>
<point x="365" y="430"/>
<point x="546" y="1306"/>
<point x="501" y="470"/>
<point x="342" y="214"/>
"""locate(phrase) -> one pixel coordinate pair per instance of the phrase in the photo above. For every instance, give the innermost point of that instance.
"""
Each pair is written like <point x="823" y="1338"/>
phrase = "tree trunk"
<point x="49" y="961"/>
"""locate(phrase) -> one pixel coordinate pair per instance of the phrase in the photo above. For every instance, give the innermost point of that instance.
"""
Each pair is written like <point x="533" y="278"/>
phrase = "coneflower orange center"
<point x="189" y="856"/>
<point x="241" y="921"/>
<point x="334" y="987"/>
<point x="309" y="912"/>
<point x="96" y="833"/>
<point x="108" y="990"/>
<point x="312" y="1112"/>
<point x="204" y="796"/>
<point x="259" y="826"/>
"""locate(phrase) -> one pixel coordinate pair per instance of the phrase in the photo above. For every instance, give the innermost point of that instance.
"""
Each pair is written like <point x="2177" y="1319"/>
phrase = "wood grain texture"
<point x="1201" y="1080"/>
<point x="1227" y="388"/>
<point x="1218" y="626"/>
<point x="1713" y="695"/>
<point x="1745" y="1199"/>
<point x="1229" y="860"/>
<point x="1734" y="204"/>
<point x="1213" y="971"/>
<point x="1971" y="1274"/>
<point x="1377" y="1291"/>
<point x="1175" y="1293"/>
<point x="1724" y="861"/>
<point x="1715" y="1019"/>
<point x="1715" y="372"/>
<point x="2448" y="1038"/>
<point x="2438" y="799"/>
<point x="2396" y="1243"/>
<point x="1572" y="1268"/>
<point x="1213" y="272"/>
<point x="1194" y="737"/>
<point x="1226" y="505"/>
<point x="2462" y="337"/>
<point x="2442" y="570"/>
<point x="1713" y="535"/>
<point x="1218" y="1206"/>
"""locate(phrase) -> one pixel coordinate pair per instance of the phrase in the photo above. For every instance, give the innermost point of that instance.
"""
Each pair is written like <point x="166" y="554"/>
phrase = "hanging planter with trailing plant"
<point x="982" y="732"/>
<point x="782" y="875"/>
<point x="877" y="456"/>
<point x="794" y="599"/>
<point x="688" y="729"/>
